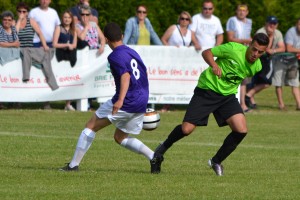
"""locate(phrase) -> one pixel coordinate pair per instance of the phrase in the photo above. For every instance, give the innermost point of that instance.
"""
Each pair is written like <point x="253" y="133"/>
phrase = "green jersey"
<point x="231" y="58"/>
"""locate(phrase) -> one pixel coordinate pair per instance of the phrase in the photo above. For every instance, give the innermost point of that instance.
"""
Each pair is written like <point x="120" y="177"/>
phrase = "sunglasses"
<point x="22" y="11"/>
<point x="140" y="11"/>
<point x="85" y="14"/>
<point x="7" y="20"/>
<point x="186" y="19"/>
<point x="272" y="23"/>
<point x="204" y="8"/>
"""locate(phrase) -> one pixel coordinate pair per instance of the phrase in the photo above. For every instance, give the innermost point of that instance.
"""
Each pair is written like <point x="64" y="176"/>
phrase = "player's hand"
<point x="217" y="71"/>
<point x="117" y="106"/>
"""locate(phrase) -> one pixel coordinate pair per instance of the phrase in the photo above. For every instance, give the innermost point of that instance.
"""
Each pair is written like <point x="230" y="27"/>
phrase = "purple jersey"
<point x="124" y="59"/>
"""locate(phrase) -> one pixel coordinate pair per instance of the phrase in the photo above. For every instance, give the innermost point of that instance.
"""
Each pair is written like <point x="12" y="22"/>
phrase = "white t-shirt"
<point x="206" y="30"/>
<point x="47" y="21"/>
<point x="242" y="30"/>
<point x="177" y="40"/>
<point x="292" y="38"/>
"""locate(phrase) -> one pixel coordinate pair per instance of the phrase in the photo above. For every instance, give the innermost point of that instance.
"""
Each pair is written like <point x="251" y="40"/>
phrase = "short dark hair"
<point x="141" y="5"/>
<point x="7" y="13"/>
<point x="23" y="5"/>
<point x="207" y="1"/>
<point x="113" y="32"/>
<point x="261" y="39"/>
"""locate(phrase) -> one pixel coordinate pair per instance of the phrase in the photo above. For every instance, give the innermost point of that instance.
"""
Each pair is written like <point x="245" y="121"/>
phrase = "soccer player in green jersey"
<point x="215" y="93"/>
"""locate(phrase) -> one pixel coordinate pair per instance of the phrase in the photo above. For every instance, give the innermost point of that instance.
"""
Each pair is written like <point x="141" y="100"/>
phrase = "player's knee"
<point x="187" y="130"/>
<point x="244" y="133"/>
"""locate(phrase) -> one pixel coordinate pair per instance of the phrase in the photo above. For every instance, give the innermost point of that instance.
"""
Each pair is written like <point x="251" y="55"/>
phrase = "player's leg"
<point x="133" y="144"/>
<point x="85" y="140"/>
<point x="278" y="91"/>
<point x="296" y="94"/>
<point x="229" y="113"/>
<point x="179" y="132"/>
<point x="199" y="108"/>
<point x="238" y="126"/>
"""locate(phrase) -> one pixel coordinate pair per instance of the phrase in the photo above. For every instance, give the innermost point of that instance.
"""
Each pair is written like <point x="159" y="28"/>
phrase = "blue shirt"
<point x="124" y="59"/>
<point x="132" y="32"/>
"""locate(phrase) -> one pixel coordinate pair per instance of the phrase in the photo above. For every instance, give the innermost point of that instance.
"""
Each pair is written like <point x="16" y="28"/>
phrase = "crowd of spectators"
<point x="40" y="32"/>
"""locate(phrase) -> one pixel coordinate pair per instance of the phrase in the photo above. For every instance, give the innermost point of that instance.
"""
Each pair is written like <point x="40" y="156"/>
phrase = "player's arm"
<point x="167" y="35"/>
<point x="290" y="48"/>
<point x="209" y="59"/>
<point x="125" y="80"/>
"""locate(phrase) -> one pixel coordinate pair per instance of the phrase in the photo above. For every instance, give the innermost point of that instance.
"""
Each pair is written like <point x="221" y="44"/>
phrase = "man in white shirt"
<point x="47" y="19"/>
<point x="206" y="27"/>
<point x="238" y="29"/>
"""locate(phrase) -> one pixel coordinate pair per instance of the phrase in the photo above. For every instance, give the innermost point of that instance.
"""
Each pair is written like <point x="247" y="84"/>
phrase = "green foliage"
<point x="164" y="13"/>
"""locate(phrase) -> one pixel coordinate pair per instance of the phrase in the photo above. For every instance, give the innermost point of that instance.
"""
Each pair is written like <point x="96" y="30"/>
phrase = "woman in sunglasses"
<point x="179" y="34"/>
<point x="139" y="31"/>
<point x="8" y="41"/>
<point x="8" y="33"/>
<point x="27" y="27"/>
<point x="89" y="32"/>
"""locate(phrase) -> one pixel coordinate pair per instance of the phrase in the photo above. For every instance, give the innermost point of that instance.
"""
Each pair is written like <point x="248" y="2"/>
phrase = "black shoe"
<point x="68" y="168"/>
<point x="156" y="163"/>
<point x="248" y="101"/>
<point x="218" y="168"/>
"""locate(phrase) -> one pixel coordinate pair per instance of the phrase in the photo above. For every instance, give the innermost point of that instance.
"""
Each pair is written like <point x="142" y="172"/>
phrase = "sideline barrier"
<point x="173" y="74"/>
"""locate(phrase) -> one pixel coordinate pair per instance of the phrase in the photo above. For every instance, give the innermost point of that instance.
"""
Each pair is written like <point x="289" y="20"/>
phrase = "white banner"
<point x="173" y="74"/>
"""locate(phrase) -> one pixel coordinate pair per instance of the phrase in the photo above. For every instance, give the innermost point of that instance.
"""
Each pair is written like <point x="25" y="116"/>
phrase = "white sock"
<point x="137" y="146"/>
<point x="84" y="142"/>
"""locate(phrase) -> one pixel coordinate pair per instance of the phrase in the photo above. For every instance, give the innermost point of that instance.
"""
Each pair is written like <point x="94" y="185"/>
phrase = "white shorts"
<point x="131" y="123"/>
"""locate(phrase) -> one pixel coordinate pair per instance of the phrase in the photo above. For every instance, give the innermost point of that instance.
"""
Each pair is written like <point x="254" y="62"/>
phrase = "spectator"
<point x="138" y="29"/>
<point x="286" y="66"/>
<point x="125" y="110"/>
<point x="263" y="79"/>
<point x="178" y="35"/>
<point x="65" y="41"/>
<point x="238" y="29"/>
<point x="27" y="27"/>
<point x="207" y="27"/>
<point x="89" y="32"/>
<point x="47" y="19"/>
<point x="75" y="10"/>
<point x="9" y="41"/>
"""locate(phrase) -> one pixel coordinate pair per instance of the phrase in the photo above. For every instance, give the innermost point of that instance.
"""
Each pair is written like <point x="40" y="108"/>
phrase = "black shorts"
<point x="205" y="102"/>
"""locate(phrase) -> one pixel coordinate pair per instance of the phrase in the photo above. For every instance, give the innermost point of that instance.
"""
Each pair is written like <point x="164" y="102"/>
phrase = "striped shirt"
<point x="8" y="37"/>
<point x="26" y="35"/>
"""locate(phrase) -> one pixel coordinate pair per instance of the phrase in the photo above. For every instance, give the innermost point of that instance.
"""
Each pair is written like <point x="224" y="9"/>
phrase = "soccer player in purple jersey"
<point x="126" y="108"/>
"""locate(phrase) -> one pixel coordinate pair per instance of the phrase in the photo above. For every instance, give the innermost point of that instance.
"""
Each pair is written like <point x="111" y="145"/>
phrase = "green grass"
<point x="35" y="143"/>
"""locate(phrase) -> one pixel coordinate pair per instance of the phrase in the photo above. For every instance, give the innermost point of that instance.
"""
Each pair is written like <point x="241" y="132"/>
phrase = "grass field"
<point x="35" y="143"/>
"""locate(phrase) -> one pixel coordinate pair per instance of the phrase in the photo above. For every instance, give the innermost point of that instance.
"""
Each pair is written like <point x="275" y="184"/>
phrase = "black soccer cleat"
<point x="156" y="163"/>
<point x="218" y="168"/>
<point x="67" y="168"/>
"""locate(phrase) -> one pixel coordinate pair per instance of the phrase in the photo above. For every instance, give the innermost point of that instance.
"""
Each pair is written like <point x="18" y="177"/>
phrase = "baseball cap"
<point x="272" y="20"/>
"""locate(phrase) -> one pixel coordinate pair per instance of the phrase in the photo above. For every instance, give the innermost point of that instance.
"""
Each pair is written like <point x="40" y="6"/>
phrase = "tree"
<point x="164" y="13"/>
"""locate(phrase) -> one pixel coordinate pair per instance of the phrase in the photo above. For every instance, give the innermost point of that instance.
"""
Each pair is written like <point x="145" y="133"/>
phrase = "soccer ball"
<point x="151" y="119"/>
